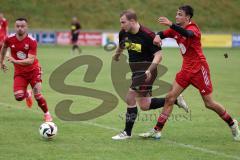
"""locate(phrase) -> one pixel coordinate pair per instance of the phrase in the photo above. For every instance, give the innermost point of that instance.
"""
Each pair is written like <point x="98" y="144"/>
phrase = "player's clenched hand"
<point x="148" y="74"/>
<point x="164" y="21"/>
<point x="157" y="41"/>
<point x="11" y="59"/>
<point x="3" y="67"/>
<point x="116" y="57"/>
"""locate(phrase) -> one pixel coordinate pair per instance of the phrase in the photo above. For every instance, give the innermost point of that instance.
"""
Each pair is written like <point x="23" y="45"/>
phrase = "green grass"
<point x="211" y="16"/>
<point x="199" y="136"/>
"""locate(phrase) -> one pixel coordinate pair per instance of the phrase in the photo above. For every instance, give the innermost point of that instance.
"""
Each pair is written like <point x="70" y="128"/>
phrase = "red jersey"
<point x="3" y="29"/>
<point x="190" y="48"/>
<point x="20" y="50"/>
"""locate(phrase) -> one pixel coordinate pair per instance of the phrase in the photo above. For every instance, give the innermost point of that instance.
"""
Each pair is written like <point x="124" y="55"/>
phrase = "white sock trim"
<point x="132" y="106"/>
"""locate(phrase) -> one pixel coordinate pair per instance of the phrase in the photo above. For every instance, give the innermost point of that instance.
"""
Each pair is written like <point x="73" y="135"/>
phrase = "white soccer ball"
<point x="48" y="130"/>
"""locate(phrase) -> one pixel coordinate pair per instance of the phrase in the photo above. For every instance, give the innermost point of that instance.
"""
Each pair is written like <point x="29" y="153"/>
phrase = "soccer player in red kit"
<point x="194" y="71"/>
<point x="3" y="29"/>
<point x="27" y="69"/>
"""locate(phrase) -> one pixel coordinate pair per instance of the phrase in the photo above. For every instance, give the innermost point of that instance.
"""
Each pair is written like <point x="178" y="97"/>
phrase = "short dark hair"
<point x="21" y="19"/>
<point x="187" y="9"/>
<point x="130" y="14"/>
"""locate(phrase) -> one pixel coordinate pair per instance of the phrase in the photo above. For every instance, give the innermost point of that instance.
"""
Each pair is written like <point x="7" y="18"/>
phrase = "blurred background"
<point x="49" y="21"/>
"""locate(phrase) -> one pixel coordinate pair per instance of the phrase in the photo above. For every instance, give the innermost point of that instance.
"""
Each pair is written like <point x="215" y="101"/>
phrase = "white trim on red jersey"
<point x="11" y="35"/>
<point x="31" y="37"/>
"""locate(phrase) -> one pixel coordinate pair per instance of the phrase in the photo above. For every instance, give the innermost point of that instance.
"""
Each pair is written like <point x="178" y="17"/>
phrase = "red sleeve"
<point x="6" y="42"/>
<point x="195" y="30"/>
<point x="5" y="24"/>
<point x="169" y="33"/>
<point x="33" y="48"/>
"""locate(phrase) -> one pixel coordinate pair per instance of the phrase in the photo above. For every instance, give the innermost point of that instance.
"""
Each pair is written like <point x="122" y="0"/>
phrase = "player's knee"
<point x="37" y="88"/>
<point x="144" y="105"/>
<point x="144" y="108"/>
<point x="130" y="101"/>
<point x="20" y="96"/>
<point x="170" y="99"/>
<point x="209" y="105"/>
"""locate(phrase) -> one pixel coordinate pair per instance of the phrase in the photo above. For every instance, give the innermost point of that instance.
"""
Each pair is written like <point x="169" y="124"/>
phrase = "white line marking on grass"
<point x="192" y="147"/>
<point x="100" y="125"/>
<point x="204" y="150"/>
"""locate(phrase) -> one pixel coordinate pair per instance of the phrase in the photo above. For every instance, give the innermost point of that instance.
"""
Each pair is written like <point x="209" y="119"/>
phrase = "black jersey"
<point x="74" y="27"/>
<point x="140" y="45"/>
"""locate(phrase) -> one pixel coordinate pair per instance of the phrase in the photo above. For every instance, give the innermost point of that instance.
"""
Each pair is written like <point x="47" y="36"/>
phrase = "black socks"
<point x="131" y="116"/>
<point x="157" y="103"/>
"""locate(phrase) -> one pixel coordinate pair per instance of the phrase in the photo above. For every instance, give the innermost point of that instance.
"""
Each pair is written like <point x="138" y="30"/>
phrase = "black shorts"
<point x="140" y="85"/>
<point x="74" y="38"/>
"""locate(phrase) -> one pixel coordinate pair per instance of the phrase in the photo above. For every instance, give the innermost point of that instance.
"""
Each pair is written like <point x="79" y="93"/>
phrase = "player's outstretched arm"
<point x="165" y="21"/>
<point x="182" y="31"/>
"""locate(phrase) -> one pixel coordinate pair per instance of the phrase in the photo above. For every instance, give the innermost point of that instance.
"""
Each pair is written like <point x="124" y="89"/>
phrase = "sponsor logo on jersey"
<point x="21" y="55"/>
<point x="133" y="46"/>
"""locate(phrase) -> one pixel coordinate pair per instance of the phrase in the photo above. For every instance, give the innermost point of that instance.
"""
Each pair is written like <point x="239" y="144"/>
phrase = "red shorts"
<point x="201" y="79"/>
<point x="21" y="81"/>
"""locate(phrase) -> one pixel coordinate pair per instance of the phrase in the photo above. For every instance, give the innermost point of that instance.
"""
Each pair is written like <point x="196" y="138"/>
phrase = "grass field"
<point x="200" y="135"/>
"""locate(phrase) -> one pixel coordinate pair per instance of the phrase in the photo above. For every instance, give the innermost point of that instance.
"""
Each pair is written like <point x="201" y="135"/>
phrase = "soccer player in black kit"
<point x="144" y="57"/>
<point x="75" y="30"/>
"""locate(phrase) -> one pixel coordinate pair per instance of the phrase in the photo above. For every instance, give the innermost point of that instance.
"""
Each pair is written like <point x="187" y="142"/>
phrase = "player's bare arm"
<point x="156" y="60"/>
<point x="24" y="62"/>
<point x="157" y="40"/>
<point x="164" y="21"/>
<point x="2" y="56"/>
<point x="117" y="54"/>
